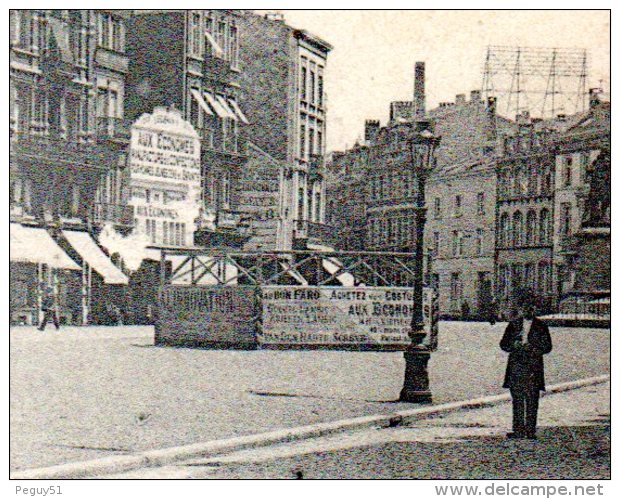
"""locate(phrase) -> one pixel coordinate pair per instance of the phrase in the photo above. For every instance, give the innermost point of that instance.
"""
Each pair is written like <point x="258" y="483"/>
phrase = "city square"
<point x="234" y="228"/>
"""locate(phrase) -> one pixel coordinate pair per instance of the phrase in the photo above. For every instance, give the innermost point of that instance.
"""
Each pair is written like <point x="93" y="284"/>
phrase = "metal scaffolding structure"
<point x="542" y="81"/>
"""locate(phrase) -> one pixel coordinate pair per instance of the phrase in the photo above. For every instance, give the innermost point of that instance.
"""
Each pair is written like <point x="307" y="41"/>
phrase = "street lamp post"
<point x="416" y="385"/>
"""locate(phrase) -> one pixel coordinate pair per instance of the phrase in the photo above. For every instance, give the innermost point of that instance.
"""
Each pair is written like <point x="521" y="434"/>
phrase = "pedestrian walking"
<point x="492" y="312"/>
<point x="48" y="305"/>
<point x="526" y="340"/>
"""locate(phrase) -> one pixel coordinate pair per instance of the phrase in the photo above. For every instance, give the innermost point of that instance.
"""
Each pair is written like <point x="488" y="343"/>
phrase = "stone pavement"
<point x="89" y="393"/>
<point x="573" y="443"/>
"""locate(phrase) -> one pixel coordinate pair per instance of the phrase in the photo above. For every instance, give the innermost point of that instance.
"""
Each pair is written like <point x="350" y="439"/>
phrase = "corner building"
<point x="284" y="77"/>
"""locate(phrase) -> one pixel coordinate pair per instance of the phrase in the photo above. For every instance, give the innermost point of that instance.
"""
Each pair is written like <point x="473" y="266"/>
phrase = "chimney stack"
<point x="371" y="130"/>
<point x="595" y="99"/>
<point x="459" y="99"/>
<point x="492" y="104"/>
<point x="419" y="94"/>
<point x="474" y="96"/>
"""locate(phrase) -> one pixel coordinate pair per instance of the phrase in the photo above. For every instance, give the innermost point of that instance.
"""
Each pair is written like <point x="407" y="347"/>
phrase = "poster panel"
<point x="374" y="318"/>
<point x="221" y="316"/>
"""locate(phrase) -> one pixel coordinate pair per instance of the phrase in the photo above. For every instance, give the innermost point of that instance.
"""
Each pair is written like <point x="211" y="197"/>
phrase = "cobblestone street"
<point x="84" y="393"/>
<point x="573" y="442"/>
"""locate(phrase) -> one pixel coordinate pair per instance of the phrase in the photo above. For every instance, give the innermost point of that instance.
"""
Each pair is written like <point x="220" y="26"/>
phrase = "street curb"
<point x="119" y="464"/>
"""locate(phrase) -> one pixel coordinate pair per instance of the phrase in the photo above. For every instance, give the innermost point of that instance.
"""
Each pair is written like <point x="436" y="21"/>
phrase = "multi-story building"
<point x="191" y="60"/>
<point x="67" y="70"/>
<point x="581" y="236"/>
<point x="460" y="194"/>
<point x="545" y="174"/>
<point x="283" y="77"/>
<point x="460" y="234"/>
<point x="460" y="231"/>
<point x="525" y="211"/>
<point x="346" y="196"/>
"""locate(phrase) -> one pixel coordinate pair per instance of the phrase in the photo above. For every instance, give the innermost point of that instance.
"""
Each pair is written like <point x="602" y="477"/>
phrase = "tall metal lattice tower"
<point x="543" y="81"/>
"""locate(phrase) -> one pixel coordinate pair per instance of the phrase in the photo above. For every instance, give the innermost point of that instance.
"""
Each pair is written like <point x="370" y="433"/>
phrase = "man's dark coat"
<point x="525" y="365"/>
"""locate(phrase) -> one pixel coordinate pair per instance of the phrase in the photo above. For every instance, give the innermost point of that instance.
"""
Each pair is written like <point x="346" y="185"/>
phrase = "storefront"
<point x="37" y="261"/>
<point x="103" y="285"/>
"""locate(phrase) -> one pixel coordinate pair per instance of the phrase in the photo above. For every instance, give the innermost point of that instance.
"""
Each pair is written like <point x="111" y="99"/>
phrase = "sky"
<point x="375" y="51"/>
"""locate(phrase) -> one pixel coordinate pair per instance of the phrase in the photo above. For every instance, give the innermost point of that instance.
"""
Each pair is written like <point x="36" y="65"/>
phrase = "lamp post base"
<point x="416" y="385"/>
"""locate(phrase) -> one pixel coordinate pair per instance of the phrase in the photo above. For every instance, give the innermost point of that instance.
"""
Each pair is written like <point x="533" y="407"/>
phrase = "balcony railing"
<point x="56" y="149"/>
<point x="113" y="128"/>
<point x="317" y="233"/>
<point x="580" y="307"/>
<point x="117" y="214"/>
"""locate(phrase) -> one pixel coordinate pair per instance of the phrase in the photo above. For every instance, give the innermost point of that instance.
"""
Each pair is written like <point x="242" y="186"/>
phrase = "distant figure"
<point x="526" y="339"/>
<point x="465" y="310"/>
<point x="492" y="312"/>
<point x="48" y="305"/>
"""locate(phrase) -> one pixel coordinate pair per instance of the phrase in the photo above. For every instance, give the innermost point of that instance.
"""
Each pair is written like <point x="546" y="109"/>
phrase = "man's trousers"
<point x="524" y="410"/>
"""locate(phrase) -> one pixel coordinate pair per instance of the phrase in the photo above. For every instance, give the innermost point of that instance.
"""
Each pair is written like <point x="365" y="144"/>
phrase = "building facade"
<point x="190" y="59"/>
<point x="283" y="75"/>
<point x="67" y="72"/>
<point x="582" y="226"/>
<point x="460" y="231"/>
<point x="346" y="191"/>
<point x="525" y="214"/>
<point x="460" y="234"/>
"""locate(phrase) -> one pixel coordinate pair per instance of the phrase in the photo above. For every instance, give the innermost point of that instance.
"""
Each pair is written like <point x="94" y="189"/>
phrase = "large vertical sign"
<point x="258" y="194"/>
<point x="165" y="177"/>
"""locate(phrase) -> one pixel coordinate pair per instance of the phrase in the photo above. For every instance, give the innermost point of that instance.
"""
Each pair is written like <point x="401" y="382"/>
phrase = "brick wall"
<point x="155" y="46"/>
<point x="268" y="63"/>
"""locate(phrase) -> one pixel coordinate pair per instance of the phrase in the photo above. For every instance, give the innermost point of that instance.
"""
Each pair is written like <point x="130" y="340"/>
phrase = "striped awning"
<point x="88" y="249"/>
<point x="35" y="245"/>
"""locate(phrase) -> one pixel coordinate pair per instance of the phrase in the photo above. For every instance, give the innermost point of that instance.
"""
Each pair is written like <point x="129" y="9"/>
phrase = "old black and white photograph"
<point x="271" y="244"/>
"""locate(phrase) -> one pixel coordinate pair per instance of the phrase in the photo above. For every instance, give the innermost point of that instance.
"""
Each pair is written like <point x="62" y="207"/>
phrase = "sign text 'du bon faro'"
<point x="332" y="316"/>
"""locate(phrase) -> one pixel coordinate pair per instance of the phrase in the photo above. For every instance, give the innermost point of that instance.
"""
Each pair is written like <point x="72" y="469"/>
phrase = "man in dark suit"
<point x="526" y="340"/>
<point x="48" y="306"/>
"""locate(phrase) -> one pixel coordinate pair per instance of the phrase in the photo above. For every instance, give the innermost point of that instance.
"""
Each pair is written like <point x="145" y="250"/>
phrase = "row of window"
<point x="394" y="185"/>
<point x="28" y="31"/>
<point x="214" y="37"/>
<point x="33" y="110"/>
<point x="516" y="231"/>
<point x="65" y="201"/>
<point x="457" y="206"/>
<point x="164" y="232"/>
<point x="311" y="133"/>
<point x="309" y="197"/>
<point x="391" y="232"/>
<point x="311" y="83"/>
<point x="458" y="244"/>
<point x="217" y="132"/>
<point x="525" y="181"/>
<point x="534" y="276"/>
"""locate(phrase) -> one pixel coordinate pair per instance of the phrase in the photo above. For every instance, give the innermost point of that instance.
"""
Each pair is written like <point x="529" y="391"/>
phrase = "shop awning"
<point x="201" y="102"/>
<point x="237" y="110"/>
<point x="217" y="107"/>
<point x="96" y="258"/>
<point x="35" y="245"/>
<point x="345" y="278"/>
<point x="216" y="46"/>
<point x="224" y="103"/>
